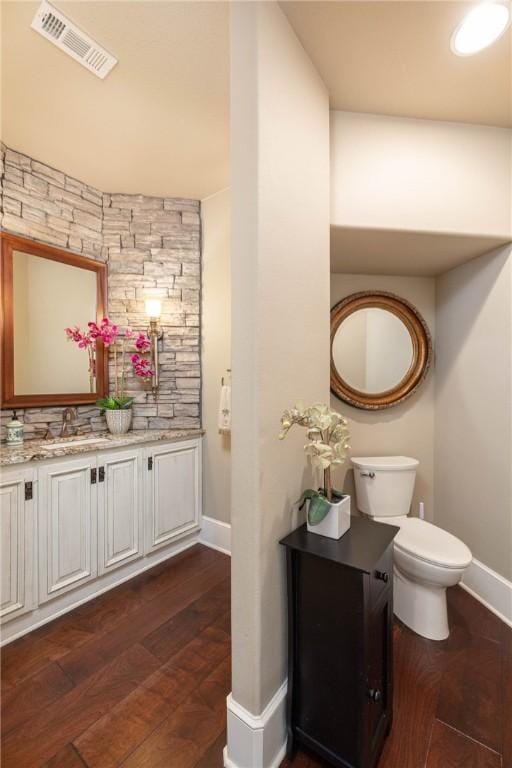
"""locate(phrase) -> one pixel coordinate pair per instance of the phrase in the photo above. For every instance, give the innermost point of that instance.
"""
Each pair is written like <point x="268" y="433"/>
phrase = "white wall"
<point x="473" y="444"/>
<point x="280" y="279"/>
<point x="216" y="351"/>
<point x="399" y="173"/>
<point x="405" y="429"/>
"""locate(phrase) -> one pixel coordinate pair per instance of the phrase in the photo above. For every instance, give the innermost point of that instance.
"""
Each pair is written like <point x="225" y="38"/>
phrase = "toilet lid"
<point x="430" y="543"/>
<point x="387" y="463"/>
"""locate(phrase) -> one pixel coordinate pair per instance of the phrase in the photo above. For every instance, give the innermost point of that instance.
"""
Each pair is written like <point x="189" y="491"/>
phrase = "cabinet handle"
<point x="150" y="463"/>
<point x="371" y="475"/>
<point x="93" y="476"/>
<point x="101" y="474"/>
<point x="28" y="491"/>
<point x="382" y="576"/>
<point x="374" y="694"/>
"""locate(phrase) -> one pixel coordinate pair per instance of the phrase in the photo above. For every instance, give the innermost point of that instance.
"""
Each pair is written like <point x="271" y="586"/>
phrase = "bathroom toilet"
<point x="427" y="559"/>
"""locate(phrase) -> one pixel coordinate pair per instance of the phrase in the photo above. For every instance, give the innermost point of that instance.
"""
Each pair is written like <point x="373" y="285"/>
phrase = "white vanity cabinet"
<point x="17" y="532"/>
<point x="174" y="492"/>
<point x="68" y="504"/>
<point x="75" y="526"/>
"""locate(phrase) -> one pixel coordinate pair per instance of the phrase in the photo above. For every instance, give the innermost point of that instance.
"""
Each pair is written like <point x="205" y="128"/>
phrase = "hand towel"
<point x="225" y="410"/>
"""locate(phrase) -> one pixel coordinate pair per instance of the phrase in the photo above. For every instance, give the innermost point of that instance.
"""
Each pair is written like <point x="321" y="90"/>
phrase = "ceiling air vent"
<point x="60" y="31"/>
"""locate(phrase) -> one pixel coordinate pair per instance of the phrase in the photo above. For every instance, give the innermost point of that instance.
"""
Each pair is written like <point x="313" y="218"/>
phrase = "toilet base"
<point x="421" y="607"/>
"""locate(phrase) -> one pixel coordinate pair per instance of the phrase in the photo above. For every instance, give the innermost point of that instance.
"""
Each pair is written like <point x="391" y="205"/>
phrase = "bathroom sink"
<point x="76" y="443"/>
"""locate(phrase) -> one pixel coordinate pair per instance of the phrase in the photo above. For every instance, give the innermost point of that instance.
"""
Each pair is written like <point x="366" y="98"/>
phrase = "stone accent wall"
<point x="46" y="205"/>
<point x="152" y="247"/>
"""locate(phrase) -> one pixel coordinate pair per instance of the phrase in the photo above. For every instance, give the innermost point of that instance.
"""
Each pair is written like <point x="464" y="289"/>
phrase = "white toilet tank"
<point x="384" y="485"/>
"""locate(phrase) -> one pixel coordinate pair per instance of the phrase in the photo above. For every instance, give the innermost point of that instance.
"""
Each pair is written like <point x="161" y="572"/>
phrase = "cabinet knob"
<point x="374" y="694"/>
<point x="382" y="576"/>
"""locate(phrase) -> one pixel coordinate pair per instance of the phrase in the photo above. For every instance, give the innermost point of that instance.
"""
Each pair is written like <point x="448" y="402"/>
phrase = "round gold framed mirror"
<point x="381" y="350"/>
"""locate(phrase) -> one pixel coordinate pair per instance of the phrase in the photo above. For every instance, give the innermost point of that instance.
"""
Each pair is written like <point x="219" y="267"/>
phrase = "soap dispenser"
<point x="14" y="431"/>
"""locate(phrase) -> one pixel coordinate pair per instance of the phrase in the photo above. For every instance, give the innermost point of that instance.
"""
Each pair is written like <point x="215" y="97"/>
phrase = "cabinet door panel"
<point x="121" y="522"/>
<point x="12" y="533"/>
<point x="175" y="493"/>
<point x="16" y="533"/>
<point x="329" y="654"/>
<point x="379" y="680"/>
<point x="67" y="547"/>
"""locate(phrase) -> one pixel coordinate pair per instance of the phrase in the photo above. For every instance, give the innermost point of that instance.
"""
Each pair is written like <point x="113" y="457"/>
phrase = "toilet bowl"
<point x="426" y="558"/>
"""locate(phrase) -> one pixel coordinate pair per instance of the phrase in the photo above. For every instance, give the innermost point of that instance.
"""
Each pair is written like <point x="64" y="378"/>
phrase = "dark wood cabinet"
<point x="340" y="616"/>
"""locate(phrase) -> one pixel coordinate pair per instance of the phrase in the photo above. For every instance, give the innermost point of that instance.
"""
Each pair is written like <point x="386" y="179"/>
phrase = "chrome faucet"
<point x="68" y="415"/>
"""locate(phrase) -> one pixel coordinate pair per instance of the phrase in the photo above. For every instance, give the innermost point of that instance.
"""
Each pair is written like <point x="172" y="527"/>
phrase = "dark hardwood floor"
<point x="139" y="677"/>
<point x="136" y="678"/>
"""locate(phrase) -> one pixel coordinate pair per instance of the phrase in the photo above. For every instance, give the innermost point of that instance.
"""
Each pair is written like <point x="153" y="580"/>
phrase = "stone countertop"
<point x="40" y="450"/>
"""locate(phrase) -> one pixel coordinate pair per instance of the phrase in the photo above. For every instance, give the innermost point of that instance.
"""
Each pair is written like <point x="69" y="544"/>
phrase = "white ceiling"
<point x="158" y="124"/>
<point x="394" y="58"/>
<point x="399" y="252"/>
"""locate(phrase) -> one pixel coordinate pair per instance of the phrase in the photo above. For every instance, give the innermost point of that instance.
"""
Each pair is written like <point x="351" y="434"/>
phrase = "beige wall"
<point x="399" y="173"/>
<point x="473" y="446"/>
<point x="280" y="278"/>
<point x="408" y="428"/>
<point x="216" y="351"/>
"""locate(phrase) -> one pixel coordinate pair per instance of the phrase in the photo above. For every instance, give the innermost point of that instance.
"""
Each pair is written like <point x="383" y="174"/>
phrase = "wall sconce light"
<point x="153" y="311"/>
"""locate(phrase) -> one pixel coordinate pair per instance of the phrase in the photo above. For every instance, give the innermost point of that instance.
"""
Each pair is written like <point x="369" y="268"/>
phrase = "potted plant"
<point x="118" y="407"/>
<point x="327" y="433"/>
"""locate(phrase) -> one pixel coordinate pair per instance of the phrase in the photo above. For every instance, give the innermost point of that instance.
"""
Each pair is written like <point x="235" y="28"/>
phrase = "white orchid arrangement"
<point x="327" y="448"/>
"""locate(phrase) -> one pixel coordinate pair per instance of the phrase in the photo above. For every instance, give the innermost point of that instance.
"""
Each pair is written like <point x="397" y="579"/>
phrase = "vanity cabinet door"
<point x="17" y="530"/>
<point x="174" y="492"/>
<point x="120" y="510"/>
<point x="67" y="526"/>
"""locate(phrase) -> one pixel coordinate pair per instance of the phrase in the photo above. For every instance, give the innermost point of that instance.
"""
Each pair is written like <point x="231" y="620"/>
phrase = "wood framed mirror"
<point x="45" y="290"/>
<point x="381" y="350"/>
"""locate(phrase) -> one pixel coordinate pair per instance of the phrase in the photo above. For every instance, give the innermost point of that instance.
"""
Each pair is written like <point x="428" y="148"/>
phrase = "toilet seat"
<point x="431" y="544"/>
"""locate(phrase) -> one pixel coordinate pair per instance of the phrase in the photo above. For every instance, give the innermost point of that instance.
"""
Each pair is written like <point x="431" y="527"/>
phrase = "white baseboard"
<point x="257" y="741"/>
<point x="491" y="589"/>
<point x="216" y="534"/>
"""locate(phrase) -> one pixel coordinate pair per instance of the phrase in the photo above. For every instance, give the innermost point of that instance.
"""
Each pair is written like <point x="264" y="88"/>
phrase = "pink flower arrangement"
<point x="106" y="331"/>
<point x="75" y="334"/>
<point x="111" y="336"/>
<point x="142" y="343"/>
<point x="141" y="367"/>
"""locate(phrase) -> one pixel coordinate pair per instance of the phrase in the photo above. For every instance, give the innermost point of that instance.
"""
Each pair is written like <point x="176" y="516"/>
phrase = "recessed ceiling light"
<point x="480" y="28"/>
